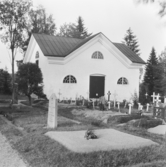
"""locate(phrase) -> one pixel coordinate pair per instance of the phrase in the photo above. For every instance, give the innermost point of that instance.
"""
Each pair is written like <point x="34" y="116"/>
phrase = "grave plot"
<point x="107" y="139"/>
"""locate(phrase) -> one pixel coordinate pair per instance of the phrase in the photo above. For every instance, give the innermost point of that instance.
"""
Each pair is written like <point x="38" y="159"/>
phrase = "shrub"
<point x="145" y="123"/>
<point x="124" y="119"/>
<point x="96" y="123"/>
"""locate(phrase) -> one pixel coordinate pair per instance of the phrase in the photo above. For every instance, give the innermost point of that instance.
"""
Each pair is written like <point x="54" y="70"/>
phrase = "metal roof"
<point x="129" y="53"/>
<point x="57" y="46"/>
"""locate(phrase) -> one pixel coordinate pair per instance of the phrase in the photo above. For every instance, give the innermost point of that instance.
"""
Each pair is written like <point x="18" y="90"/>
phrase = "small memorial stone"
<point x="147" y="107"/>
<point x="129" y="108"/>
<point x="139" y="104"/>
<point x="118" y="103"/>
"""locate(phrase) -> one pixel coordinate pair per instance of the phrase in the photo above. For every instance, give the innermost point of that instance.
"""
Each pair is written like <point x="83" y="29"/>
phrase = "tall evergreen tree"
<point x="160" y="73"/>
<point x="77" y="30"/>
<point x="150" y="72"/>
<point x="81" y="31"/>
<point x="131" y="41"/>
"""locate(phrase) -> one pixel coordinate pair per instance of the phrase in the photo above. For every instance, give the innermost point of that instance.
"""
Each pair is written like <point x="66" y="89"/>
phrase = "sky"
<point x="111" y="17"/>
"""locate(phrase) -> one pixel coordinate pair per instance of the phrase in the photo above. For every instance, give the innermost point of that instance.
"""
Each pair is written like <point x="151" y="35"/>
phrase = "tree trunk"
<point x="13" y="78"/>
<point x="30" y="100"/>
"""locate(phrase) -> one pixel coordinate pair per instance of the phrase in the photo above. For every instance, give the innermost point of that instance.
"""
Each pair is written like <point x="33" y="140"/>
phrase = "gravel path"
<point x="8" y="156"/>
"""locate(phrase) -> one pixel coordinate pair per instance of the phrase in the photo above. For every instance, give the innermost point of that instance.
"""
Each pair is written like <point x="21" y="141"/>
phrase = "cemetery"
<point x="81" y="129"/>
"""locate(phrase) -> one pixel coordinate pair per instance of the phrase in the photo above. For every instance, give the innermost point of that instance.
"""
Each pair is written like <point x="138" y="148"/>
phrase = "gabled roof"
<point x="59" y="46"/>
<point x="56" y="46"/>
<point x="129" y="53"/>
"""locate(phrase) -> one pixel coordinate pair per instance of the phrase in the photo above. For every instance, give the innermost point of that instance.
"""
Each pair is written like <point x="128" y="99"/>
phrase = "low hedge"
<point x="145" y="123"/>
<point x="125" y="119"/>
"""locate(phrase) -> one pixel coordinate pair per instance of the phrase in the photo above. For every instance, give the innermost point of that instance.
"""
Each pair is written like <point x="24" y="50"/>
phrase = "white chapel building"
<point x="88" y="67"/>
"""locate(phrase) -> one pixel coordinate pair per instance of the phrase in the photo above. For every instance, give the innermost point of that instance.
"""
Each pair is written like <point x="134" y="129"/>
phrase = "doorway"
<point x="97" y="84"/>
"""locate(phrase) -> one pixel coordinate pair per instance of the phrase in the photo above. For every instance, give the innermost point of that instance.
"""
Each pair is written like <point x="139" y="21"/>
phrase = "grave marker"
<point x="52" y="112"/>
<point x="154" y="96"/>
<point x="118" y="103"/>
<point x="115" y="98"/>
<point x="129" y="108"/>
<point x="108" y="95"/>
<point x="164" y="99"/>
<point x="147" y="107"/>
<point x="139" y="104"/>
<point x="141" y="107"/>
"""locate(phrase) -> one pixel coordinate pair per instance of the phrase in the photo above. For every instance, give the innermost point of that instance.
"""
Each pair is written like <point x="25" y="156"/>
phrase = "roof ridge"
<point x="67" y="37"/>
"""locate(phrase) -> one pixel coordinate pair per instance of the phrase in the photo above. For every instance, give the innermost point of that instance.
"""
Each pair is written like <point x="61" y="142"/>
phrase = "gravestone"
<point x="139" y="104"/>
<point x="33" y="97"/>
<point x="115" y="94"/>
<point x="52" y="112"/>
<point x="118" y="103"/>
<point x="147" y="107"/>
<point x="129" y="108"/>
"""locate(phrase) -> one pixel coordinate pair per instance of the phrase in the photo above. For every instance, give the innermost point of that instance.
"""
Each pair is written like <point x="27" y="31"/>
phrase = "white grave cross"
<point x="157" y="100"/>
<point x="154" y="96"/>
<point x="52" y="112"/>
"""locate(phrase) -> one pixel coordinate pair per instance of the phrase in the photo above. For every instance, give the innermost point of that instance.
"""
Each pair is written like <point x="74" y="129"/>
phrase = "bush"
<point x="124" y="119"/>
<point x="96" y="123"/>
<point x="145" y="123"/>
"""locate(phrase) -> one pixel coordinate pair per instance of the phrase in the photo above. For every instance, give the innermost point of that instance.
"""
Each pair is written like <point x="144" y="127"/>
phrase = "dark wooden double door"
<point x="97" y="84"/>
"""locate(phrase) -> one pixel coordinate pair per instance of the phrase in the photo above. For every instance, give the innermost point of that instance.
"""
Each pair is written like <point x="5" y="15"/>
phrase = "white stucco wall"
<point x="81" y="67"/>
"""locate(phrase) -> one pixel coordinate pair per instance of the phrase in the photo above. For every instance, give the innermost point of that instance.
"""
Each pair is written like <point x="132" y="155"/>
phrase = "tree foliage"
<point x="5" y="82"/>
<point x="131" y="41"/>
<point x="39" y="22"/>
<point x="75" y="30"/>
<point x="66" y="30"/>
<point x="29" y="77"/>
<point x="150" y="76"/>
<point x="13" y="20"/>
<point x="160" y="72"/>
<point x="162" y="4"/>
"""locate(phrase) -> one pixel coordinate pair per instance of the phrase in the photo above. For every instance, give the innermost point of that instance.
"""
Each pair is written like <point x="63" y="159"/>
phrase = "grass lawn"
<point x="26" y="134"/>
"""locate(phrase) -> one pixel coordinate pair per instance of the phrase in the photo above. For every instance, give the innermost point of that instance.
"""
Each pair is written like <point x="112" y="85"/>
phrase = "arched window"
<point x="97" y="55"/>
<point x="122" y="81"/>
<point x="69" y="79"/>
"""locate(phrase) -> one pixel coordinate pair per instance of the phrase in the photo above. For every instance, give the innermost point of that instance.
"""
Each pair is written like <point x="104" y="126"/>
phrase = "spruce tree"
<point x="131" y="41"/>
<point x="81" y="31"/>
<point x="150" y="73"/>
<point x="73" y="30"/>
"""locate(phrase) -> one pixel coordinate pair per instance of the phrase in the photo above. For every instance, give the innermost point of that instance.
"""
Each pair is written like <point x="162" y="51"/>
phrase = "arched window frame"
<point x="70" y="79"/>
<point x="122" y="81"/>
<point x="97" y="55"/>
